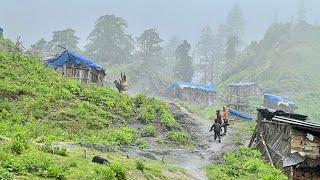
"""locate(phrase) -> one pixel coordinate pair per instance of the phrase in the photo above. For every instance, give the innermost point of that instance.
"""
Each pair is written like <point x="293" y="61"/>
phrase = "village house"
<point x="193" y="92"/>
<point x="78" y="67"/>
<point x="288" y="142"/>
<point x="236" y="94"/>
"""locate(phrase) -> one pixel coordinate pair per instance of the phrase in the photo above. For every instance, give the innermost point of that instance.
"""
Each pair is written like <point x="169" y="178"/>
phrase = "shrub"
<point x="139" y="100"/>
<point x="141" y="143"/>
<point x="104" y="172"/>
<point x="139" y="165"/>
<point x="168" y="121"/>
<point x="245" y="163"/>
<point x="18" y="145"/>
<point x="148" y="131"/>
<point x="5" y="174"/>
<point x="147" y="113"/>
<point x="120" y="170"/>
<point x="119" y="136"/>
<point x="62" y="151"/>
<point x="178" y="137"/>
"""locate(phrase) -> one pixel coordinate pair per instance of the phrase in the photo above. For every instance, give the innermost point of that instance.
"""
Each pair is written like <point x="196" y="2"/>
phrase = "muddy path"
<point x="206" y="150"/>
<point x="192" y="159"/>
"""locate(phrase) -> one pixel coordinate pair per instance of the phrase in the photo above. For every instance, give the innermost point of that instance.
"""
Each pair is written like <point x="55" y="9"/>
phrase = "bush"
<point x="139" y="100"/>
<point x="141" y="143"/>
<point x="148" y="131"/>
<point x="245" y="163"/>
<point x="178" y="137"/>
<point x="119" y="136"/>
<point x="168" y="121"/>
<point x="62" y="151"/>
<point x="139" y="165"/>
<point x="104" y="172"/>
<point x="5" y="174"/>
<point x="120" y="170"/>
<point x="147" y="113"/>
<point x="18" y="145"/>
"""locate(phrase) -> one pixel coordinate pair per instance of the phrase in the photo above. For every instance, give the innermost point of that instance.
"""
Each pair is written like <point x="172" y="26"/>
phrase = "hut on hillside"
<point x="236" y="95"/>
<point x="278" y="103"/>
<point x="288" y="142"/>
<point x="193" y="92"/>
<point x="78" y="67"/>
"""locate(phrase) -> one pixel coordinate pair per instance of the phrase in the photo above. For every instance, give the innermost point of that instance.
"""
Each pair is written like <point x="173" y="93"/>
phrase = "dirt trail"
<point x="206" y="149"/>
<point x="193" y="159"/>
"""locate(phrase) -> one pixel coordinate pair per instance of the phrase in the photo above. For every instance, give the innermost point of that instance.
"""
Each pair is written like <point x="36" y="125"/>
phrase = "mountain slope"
<point x="285" y="62"/>
<point x="40" y="109"/>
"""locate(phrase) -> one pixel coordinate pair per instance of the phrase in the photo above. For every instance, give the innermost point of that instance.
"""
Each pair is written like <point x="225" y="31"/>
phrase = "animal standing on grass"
<point x="122" y="84"/>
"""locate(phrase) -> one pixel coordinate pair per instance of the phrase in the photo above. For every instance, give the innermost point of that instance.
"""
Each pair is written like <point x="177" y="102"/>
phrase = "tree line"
<point x="151" y="57"/>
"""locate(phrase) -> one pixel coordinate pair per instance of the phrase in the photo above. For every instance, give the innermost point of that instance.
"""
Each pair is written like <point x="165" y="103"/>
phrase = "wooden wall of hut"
<point x="81" y="73"/>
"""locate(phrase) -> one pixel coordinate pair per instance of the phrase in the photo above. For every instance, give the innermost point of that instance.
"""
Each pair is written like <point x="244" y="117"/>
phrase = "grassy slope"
<point x="38" y="106"/>
<point x="285" y="62"/>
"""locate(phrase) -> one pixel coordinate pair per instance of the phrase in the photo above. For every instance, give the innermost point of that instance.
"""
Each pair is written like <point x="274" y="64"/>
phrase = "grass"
<point x="37" y="105"/>
<point x="179" y="138"/>
<point x="245" y="163"/>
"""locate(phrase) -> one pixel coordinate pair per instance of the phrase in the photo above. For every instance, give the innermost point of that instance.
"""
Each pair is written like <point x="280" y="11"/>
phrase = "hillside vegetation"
<point x="284" y="62"/>
<point x="38" y="107"/>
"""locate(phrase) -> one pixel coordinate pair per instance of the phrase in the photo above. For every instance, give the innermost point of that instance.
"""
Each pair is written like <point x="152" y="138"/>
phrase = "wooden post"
<point x="266" y="149"/>
<point x="85" y="153"/>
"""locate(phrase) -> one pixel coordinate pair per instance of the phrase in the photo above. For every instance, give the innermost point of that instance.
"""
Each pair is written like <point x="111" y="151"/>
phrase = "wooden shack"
<point x="271" y="101"/>
<point x="193" y="92"/>
<point x="236" y="94"/>
<point x="288" y="142"/>
<point x="78" y="67"/>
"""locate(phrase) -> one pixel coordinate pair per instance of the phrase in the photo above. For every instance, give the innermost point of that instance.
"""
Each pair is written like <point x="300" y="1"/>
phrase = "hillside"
<point x="39" y="110"/>
<point x="284" y="62"/>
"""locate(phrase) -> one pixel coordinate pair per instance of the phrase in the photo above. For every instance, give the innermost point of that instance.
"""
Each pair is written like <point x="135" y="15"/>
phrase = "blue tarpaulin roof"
<point x="74" y="58"/>
<point x="206" y="87"/>
<point x="239" y="114"/>
<point x="243" y="84"/>
<point x="275" y="99"/>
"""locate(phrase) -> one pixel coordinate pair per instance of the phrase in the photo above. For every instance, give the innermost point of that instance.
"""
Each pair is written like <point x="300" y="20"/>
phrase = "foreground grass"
<point x="33" y="163"/>
<point x="245" y="163"/>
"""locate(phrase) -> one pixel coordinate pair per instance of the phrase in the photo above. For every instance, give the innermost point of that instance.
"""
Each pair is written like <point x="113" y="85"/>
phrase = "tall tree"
<point x="108" y="42"/>
<point x="40" y="48"/>
<point x="235" y="27"/>
<point x="205" y="49"/>
<point x="65" y="38"/>
<point x="301" y="13"/>
<point x="184" y="66"/>
<point x="149" y="43"/>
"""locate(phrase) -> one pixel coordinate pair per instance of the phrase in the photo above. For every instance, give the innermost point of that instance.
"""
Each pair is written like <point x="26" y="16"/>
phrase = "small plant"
<point x="141" y="143"/>
<point x="139" y="100"/>
<point x="104" y="172"/>
<point x="62" y="151"/>
<point x="139" y="165"/>
<point x="120" y="170"/>
<point x="147" y="113"/>
<point x="18" y="145"/>
<point x="178" y="137"/>
<point x="148" y="131"/>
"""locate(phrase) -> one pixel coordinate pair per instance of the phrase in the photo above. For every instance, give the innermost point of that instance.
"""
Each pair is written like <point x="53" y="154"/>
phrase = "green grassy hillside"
<point x="39" y="107"/>
<point x="284" y="62"/>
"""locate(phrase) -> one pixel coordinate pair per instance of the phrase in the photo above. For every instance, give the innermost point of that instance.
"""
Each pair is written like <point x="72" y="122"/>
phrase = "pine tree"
<point x="184" y="66"/>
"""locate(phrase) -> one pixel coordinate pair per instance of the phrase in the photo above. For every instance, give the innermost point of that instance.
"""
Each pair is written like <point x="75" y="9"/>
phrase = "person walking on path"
<point x="217" y="130"/>
<point x="225" y="118"/>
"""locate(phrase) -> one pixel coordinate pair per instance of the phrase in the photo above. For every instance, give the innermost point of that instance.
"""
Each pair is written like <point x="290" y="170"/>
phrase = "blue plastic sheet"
<point x="273" y="99"/>
<point x="74" y="58"/>
<point x="238" y="114"/>
<point x="206" y="87"/>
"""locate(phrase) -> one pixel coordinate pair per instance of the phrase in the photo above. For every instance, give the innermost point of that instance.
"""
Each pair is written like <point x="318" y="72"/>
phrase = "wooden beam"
<point x="266" y="149"/>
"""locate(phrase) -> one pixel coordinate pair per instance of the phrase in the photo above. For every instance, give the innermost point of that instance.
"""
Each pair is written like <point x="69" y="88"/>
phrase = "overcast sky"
<point x="34" y="19"/>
